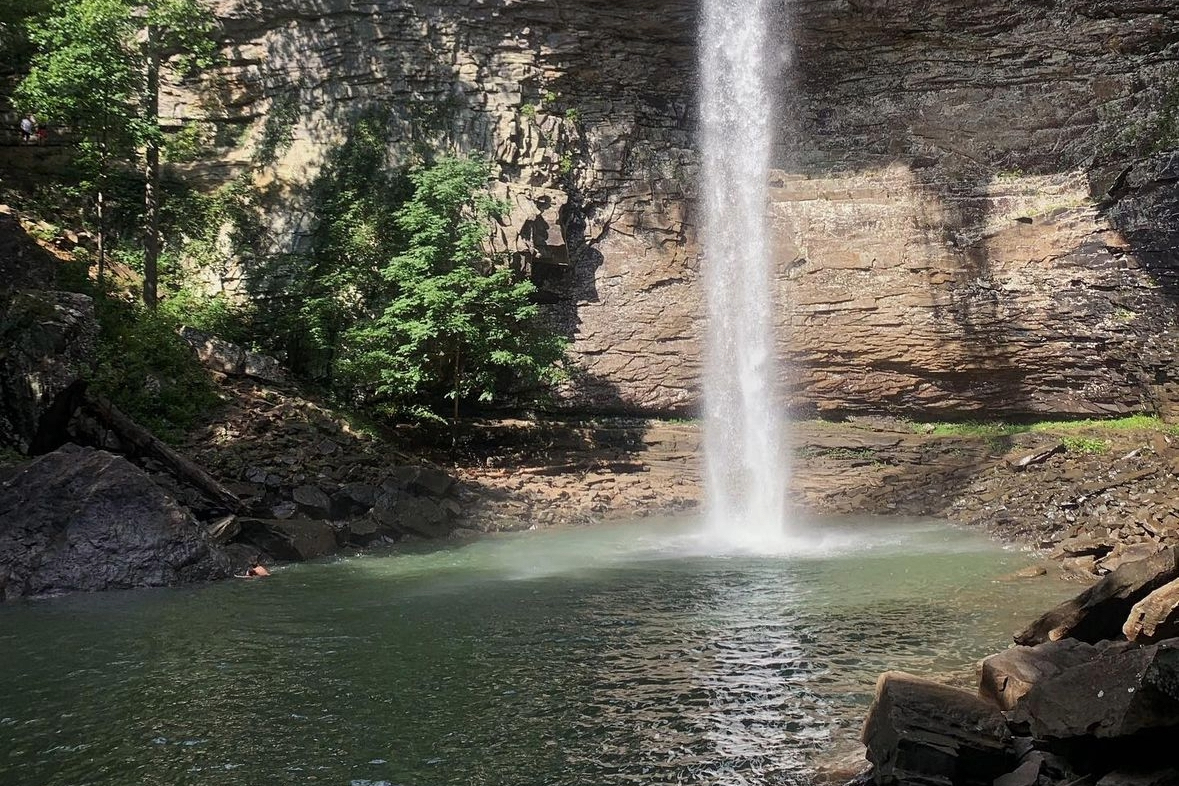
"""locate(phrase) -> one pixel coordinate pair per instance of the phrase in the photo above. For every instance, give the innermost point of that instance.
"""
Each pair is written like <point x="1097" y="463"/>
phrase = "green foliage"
<point x="216" y="315"/>
<point x="528" y="111"/>
<point x="356" y="196"/>
<point x="278" y="131"/>
<point x="86" y="74"/>
<point x="89" y="69"/>
<point x="96" y="72"/>
<point x="189" y="143"/>
<point x="1085" y="444"/>
<point x="15" y="47"/>
<point x="455" y="322"/>
<point x="148" y="371"/>
<point x="1131" y="423"/>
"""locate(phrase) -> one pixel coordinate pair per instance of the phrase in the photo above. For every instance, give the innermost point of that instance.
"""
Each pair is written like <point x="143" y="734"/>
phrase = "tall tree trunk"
<point x="101" y="235"/>
<point x="458" y="371"/>
<point x="151" y="189"/>
<point x="102" y="164"/>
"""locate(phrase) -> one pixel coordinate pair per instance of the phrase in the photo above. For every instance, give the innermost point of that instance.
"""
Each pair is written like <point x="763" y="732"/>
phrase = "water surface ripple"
<point x="614" y="655"/>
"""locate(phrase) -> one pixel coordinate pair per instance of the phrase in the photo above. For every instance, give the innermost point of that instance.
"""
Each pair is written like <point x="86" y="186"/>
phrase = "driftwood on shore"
<point x="143" y="443"/>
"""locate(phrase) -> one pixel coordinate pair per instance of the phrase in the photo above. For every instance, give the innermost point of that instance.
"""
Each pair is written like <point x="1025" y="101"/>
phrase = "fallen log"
<point x="143" y="443"/>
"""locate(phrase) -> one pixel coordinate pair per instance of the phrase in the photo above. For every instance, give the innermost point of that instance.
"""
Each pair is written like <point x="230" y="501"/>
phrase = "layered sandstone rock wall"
<point x="960" y="229"/>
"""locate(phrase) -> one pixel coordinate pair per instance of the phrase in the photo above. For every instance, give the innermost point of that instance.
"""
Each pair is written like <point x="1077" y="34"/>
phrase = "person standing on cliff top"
<point x="28" y="124"/>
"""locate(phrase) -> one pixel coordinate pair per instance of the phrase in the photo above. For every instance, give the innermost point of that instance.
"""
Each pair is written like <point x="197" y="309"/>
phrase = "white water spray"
<point x="746" y="466"/>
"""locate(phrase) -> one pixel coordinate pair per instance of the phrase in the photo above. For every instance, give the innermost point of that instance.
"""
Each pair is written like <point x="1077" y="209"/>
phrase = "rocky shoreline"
<point x="1089" y="695"/>
<point x="306" y="482"/>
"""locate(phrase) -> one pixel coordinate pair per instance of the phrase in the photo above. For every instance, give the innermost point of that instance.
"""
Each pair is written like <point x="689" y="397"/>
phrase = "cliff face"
<point x="964" y="220"/>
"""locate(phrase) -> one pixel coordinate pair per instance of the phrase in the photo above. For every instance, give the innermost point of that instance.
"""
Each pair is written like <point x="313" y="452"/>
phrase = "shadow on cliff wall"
<point x="966" y="97"/>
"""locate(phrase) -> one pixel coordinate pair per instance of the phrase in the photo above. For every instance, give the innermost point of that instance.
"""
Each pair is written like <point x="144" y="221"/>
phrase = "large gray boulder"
<point x="922" y="733"/>
<point x="1122" y="691"/>
<point x="87" y="520"/>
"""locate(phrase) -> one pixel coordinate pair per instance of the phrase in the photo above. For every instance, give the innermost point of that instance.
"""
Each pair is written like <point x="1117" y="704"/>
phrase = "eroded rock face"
<point x="47" y="343"/>
<point x="80" y="519"/>
<point x="944" y="238"/>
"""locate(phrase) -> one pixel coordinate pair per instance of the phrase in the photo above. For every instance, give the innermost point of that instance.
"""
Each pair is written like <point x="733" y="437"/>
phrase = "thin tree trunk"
<point x="101" y="236"/>
<point x="458" y="370"/>
<point x="151" y="190"/>
<point x="102" y="164"/>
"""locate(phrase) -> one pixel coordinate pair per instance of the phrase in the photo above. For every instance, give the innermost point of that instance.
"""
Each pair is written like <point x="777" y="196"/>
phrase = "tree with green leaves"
<point x="96" y="72"/>
<point x="456" y="322"/>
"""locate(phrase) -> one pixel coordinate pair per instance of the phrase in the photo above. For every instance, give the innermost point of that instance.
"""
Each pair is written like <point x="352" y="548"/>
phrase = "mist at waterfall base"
<point x="747" y="469"/>
<point x="606" y="655"/>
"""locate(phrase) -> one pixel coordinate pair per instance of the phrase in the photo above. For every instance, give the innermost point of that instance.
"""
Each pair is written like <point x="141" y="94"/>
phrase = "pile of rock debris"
<point x="1090" y="695"/>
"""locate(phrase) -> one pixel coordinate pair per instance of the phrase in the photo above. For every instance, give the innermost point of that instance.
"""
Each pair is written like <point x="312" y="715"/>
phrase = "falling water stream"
<point x="747" y="470"/>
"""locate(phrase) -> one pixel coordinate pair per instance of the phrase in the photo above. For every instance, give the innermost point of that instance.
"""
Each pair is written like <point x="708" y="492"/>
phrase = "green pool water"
<point x="621" y="654"/>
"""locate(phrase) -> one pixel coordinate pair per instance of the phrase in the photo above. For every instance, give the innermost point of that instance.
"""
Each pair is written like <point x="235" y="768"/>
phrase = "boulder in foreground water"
<point x="80" y="519"/>
<point x="920" y="732"/>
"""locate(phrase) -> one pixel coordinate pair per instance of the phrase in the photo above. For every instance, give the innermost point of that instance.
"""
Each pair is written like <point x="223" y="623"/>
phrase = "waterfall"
<point x="746" y="466"/>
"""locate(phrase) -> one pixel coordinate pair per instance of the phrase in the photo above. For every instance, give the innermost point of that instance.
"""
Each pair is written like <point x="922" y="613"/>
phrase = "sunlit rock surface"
<point x="965" y="218"/>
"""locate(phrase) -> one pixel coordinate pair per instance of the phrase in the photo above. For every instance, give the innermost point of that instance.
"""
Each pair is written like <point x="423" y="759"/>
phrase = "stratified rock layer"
<point x="960" y="220"/>
<point x="964" y="218"/>
<point x="83" y="519"/>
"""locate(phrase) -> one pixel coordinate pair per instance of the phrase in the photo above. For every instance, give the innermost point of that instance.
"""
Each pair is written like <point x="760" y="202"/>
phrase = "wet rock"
<point x="1138" y="776"/>
<point x="921" y="732"/>
<point x="411" y="514"/>
<point x="242" y="556"/>
<point x="312" y="501"/>
<point x="353" y="499"/>
<point x="224" y="529"/>
<point x="284" y="510"/>
<point x="421" y="480"/>
<point x="1100" y="611"/>
<point x="362" y="531"/>
<point x="47" y="345"/>
<point x="83" y="519"/>
<point x="1026" y="774"/>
